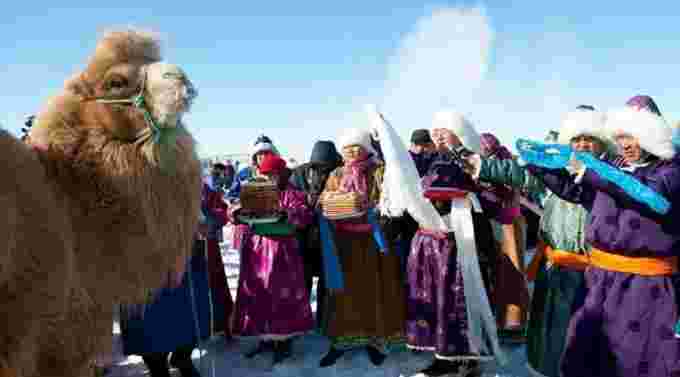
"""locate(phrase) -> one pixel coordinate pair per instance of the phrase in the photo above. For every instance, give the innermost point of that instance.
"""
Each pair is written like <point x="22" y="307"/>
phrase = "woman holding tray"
<point x="272" y="302"/>
<point x="369" y="309"/>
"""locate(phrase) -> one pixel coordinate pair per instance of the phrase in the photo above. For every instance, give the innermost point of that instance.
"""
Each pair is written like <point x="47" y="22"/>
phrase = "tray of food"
<point x="341" y="206"/>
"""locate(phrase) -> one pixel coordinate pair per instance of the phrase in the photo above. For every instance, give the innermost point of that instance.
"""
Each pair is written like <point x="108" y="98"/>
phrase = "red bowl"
<point x="445" y="193"/>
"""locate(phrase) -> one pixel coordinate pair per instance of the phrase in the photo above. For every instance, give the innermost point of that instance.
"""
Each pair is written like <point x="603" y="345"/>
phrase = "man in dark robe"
<point x="311" y="178"/>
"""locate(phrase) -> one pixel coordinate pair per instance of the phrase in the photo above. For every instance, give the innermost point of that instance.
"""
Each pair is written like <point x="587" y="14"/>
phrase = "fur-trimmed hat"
<point x="653" y="133"/>
<point x="459" y="125"/>
<point x="357" y="136"/>
<point x="582" y="122"/>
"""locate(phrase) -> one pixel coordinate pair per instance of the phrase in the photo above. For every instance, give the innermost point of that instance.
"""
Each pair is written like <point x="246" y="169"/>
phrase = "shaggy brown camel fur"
<point x="90" y="218"/>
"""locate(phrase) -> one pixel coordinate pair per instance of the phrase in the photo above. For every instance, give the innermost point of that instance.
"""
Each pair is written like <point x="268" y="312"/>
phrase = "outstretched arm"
<point x="563" y="184"/>
<point x="666" y="183"/>
<point x="509" y="172"/>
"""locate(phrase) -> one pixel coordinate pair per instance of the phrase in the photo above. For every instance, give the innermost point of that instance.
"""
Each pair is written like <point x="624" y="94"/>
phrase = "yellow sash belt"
<point x="558" y="257"/>
<point x="644" y="266"/>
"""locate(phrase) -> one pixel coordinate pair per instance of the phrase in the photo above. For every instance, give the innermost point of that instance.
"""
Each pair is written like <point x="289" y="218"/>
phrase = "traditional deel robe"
<point x="173" y="317"/>
<point x="511" y="297"/>
<point x="311" y="178"/>
<point x="439" y="303"/>
<point x="624" y="324"/>
<point x="272" y="301"/>
<point x="214" y="210"/>
<point x="405" y="227"/>
<point x="370" y="309"/>
<point x="562" y="227"/>
<point x="471" y="141"/>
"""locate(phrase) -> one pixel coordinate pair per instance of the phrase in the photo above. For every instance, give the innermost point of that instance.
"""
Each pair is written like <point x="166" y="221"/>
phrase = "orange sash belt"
<point x="562" y="258"/>
<point x="645" y="266"/>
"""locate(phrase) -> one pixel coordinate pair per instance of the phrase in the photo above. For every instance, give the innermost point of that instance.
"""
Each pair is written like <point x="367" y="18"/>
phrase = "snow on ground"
<point x="218" y="359"/>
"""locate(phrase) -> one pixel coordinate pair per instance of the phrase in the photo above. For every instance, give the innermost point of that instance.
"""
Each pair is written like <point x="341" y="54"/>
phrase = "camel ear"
<point x="78" y="86"/>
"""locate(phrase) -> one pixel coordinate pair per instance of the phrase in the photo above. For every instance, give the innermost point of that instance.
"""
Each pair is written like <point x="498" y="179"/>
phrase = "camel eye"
<point x="117" y="83"/>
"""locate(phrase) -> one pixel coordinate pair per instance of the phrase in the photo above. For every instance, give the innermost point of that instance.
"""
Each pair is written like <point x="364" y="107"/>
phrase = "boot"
<point x="446" y="368"/>
<point x="331" y="357"/>
<point x="262" y="346"/>
<point x="181" y="359"/>
<point x="157" y="363"/>
<point x="376" y="357"/>
<point x="282" y="350"/>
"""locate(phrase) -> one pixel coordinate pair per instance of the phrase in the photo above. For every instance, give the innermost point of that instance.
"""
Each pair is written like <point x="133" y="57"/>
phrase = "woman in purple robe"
<point x="272" y="302"/>
<point x="623" y="326"/>
<point x="448" y="309"/>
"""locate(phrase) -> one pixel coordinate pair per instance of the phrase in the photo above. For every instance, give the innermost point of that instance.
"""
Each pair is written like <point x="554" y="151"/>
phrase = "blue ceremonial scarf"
<point x="556" y="156"/>
<point x="331" y="263"/>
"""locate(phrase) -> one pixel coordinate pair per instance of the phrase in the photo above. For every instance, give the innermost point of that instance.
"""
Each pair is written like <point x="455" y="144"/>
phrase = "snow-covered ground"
<point x="217" y="358"/>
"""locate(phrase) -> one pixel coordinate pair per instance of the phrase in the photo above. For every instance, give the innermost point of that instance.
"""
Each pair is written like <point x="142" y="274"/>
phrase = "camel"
<point x="94" y="215"/>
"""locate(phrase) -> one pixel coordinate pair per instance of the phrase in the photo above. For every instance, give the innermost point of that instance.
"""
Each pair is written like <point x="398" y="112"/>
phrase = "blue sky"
<point x="302" y="70"/>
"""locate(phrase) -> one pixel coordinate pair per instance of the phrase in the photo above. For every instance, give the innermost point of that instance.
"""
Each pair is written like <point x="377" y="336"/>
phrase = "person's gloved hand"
<point x="575" y="167"/>
<point x="472" y="165"/>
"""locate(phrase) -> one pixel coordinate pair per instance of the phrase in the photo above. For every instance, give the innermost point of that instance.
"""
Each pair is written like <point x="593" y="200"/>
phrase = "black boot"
<point x="376" y="357"/>
<point x="331" y="357"/>
<point x="262" y="346"/>
<point x="282" y="350"/>
<point x="181" y="359"/>
<point x="446" y="368"/>
<point x="157" y="363"/>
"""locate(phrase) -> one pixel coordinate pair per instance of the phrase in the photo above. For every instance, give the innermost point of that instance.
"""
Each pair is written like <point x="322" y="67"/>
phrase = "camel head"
<point x="125" y="95"/>
<point x="106" y="140"/>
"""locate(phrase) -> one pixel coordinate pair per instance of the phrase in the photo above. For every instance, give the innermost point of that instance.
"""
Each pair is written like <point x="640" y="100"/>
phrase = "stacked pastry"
<point x="343" y="205"/>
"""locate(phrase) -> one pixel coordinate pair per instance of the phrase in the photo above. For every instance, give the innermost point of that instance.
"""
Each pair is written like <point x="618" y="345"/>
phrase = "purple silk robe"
<point x="272" y="301"/>
<point x="623" y="323"/>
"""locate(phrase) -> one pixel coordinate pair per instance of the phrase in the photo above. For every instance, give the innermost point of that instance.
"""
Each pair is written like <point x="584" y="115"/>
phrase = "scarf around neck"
<point x="355" y="176"/>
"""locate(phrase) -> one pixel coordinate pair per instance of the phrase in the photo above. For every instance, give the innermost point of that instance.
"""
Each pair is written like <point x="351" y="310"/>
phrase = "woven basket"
<point x="260" y="197"/>
<point x="343" y="205"/>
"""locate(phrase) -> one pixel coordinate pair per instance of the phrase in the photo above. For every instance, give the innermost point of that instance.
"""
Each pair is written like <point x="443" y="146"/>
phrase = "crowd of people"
<point x="447" y="274"/>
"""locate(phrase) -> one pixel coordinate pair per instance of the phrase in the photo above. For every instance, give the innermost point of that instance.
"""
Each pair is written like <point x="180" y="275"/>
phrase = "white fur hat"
<point x="582" y="123"/>
<point x="653" y="133"/>
<point x="357" y="136"/>
<point x="459" y="125"/>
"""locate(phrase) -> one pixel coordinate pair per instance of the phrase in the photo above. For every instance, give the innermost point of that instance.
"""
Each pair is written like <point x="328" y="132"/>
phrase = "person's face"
<point x="585" y="143"/>
<point x="417" y="148"/>
<point x="630" y="148"/>
<point x="444" y="139"/>
<point x="260" y="156"/>
<point x="217" y="172"/>
<point x="352" y="152"/>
